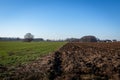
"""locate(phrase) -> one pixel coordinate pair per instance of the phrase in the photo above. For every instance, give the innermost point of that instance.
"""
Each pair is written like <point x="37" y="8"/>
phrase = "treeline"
<point x="89" y="39"/>
<point x="18" y="39"/>
<point x="82" y="39"/>
<point x="9" y="39"/>
<point x="22" y="39"/>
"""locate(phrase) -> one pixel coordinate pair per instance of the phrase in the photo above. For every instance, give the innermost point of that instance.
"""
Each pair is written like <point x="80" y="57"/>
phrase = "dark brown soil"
<point x="74" y="61"/>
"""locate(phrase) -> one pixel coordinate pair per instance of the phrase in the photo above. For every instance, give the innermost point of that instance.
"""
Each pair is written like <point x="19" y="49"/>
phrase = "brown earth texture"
<point x="74" y="61"/>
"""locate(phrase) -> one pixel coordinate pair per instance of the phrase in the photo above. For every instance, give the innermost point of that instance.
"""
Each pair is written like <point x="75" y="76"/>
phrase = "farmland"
<point x="16" y="53"/>
<point x="73" y="61"/>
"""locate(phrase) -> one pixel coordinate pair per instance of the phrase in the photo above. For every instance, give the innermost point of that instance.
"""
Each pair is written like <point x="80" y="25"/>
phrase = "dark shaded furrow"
<point x="56" y="68"/>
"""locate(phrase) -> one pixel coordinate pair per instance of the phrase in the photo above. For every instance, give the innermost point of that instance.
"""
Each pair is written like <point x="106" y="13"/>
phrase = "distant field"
<point x="15" y="53"/>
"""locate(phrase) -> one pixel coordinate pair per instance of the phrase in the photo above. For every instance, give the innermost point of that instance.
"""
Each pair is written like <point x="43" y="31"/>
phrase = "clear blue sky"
<point x="60" y="19"/>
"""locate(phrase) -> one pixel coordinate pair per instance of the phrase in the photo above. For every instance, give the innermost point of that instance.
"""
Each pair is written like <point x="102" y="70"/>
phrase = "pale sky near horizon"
<point x="60" y="19"/>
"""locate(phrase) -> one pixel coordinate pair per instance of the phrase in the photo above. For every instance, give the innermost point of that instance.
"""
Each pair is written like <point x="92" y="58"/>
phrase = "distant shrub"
<point x="28" y="37"/>
<point x="88" y="39"/>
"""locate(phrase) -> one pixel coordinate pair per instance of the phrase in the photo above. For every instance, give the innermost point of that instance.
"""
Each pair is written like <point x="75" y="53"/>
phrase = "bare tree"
<point x="28" y="37"/>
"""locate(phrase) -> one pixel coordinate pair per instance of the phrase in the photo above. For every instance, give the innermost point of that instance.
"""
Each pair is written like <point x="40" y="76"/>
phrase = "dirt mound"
<point x="74" y="61"/>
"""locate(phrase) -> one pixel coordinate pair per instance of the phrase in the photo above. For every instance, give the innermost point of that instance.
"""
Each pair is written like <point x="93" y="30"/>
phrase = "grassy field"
<point x="15" y="53"/>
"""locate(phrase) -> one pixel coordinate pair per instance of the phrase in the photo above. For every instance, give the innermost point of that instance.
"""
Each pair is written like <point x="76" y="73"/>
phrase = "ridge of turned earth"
<point x="74" y="61"/>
